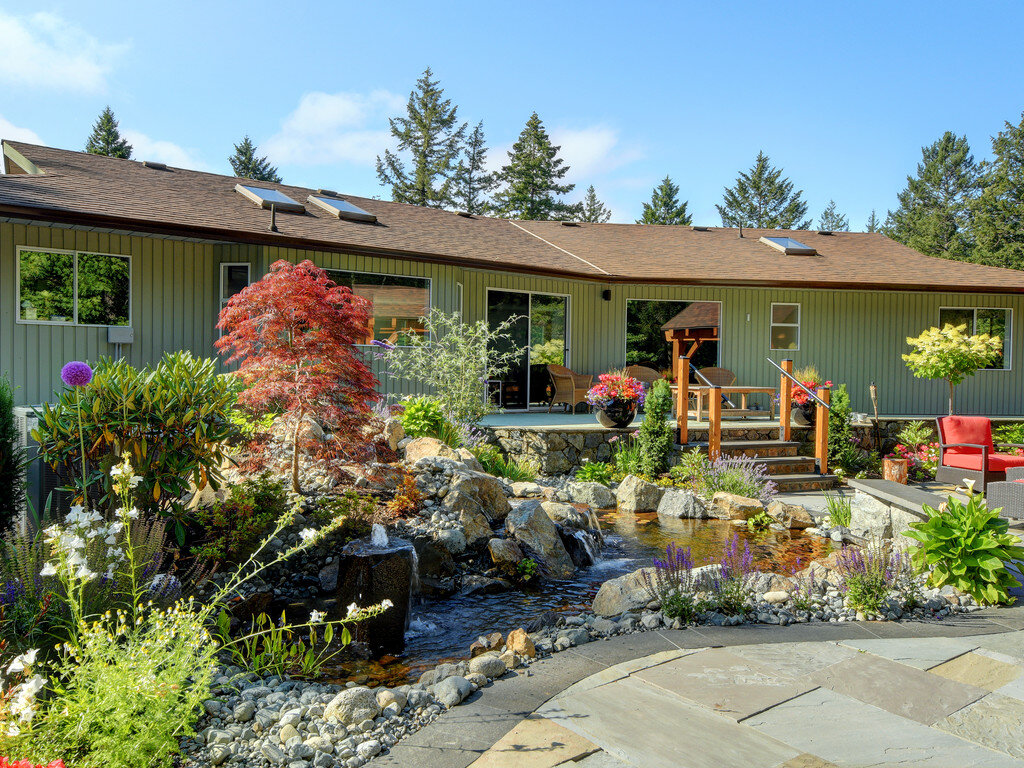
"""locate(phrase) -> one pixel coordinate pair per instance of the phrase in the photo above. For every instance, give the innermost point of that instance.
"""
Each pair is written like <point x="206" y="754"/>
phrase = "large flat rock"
<point x="794" y="659"/>
<point x="918" y="652"/>
<point x="994" y="721"/>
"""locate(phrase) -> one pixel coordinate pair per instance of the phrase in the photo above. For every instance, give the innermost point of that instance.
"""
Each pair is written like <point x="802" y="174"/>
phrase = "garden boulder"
<point x="477" y="492"/>
<point x="567" y="515"/>
<point x="625" y="593"/>
<point x="729" y="506"/>
<point x="475" y="527"/>
<point x="638" y="495"/>
<point x="519" y="643"/>
<point x="790" y="515"/>
<point x="352" y="706"/>
<point x="680" y="503"/>
<point x="592" y="494"/>
<point x="393" y="433"/>
<point x="422" y="447"/>
<point x="537" y="535"/>
<point x="505" y="553"/>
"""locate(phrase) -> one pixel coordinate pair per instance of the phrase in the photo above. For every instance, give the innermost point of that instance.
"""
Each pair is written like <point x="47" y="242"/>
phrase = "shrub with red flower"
<point x="800" y="397"/>
<point x="922" y="461"/>
<point x="615" y="387"/>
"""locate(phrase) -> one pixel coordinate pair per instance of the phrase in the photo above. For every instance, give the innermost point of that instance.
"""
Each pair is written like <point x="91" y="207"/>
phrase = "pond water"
<point x="443" y="629"/>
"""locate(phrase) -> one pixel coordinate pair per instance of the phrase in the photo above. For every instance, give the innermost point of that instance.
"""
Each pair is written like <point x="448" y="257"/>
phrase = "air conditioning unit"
<point x="41" y="481"/>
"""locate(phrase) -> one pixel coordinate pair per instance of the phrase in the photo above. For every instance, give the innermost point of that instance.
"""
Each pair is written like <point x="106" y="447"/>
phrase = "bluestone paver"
<point x="795" y="659"/>
<point x="995" y="721"/>
<point x="921" y="652"/>
<point x="978" y="670"/>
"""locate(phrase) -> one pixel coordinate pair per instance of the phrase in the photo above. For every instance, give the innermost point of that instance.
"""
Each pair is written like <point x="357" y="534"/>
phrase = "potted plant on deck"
<point x="616" y="398"/>
<point x="803" y="405"/>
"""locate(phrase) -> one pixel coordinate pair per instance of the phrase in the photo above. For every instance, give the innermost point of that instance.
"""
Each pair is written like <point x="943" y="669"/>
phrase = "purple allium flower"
<point x="76" y="374"/>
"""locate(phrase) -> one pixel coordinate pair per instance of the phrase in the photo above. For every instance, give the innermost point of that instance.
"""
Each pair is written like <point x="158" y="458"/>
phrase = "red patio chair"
<point x="966" y="452"/>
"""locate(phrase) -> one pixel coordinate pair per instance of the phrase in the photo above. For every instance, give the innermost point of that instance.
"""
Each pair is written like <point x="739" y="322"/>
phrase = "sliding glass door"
<point x="540" y="332"/>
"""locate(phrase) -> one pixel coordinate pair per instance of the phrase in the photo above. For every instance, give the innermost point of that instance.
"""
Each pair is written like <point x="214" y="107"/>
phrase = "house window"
<point x="398" y="304"/>
<point x="785" y="327"/>
<point x="995" y="322"/>
<point x="62" y="287"/>
<point x="233" y="278"/>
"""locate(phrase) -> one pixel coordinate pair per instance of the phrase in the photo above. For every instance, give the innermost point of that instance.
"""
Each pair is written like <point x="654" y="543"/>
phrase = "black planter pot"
<point x="804" y="415"/>
<point x="618" y="414"/>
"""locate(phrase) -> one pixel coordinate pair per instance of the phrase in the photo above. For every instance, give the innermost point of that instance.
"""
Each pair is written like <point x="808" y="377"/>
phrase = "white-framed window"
<point x="57" y="287"/>
<point x="399" y="304"/>
<point x="995" y="321"/>
<point x="784" y="331"/>
<point x="234" y="277"/>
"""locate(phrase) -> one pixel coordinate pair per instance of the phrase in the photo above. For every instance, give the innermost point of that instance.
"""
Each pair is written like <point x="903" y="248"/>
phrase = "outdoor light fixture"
<point x="606" y="294"/>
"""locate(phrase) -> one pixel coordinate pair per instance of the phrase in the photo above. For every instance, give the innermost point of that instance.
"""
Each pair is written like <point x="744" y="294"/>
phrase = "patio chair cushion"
<point x="976" y="430"/>
<point x="997" y="462"/>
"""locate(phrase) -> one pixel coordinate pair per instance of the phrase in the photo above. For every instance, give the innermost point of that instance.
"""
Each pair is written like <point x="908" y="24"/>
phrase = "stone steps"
<point x="787" y="465"/>
<point x="788" y="469"/>
<point x="804" y="481"/>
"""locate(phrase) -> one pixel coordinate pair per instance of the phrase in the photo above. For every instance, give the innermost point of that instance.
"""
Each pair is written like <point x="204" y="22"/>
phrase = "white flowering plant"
<point x="127" y="683"/>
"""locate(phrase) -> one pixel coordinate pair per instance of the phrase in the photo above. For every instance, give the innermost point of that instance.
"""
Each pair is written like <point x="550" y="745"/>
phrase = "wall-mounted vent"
<point x="155" y="165"/>
<point x="789" y="246"/>
<point x="264" y="198"/>
<point x="343" y="209"/>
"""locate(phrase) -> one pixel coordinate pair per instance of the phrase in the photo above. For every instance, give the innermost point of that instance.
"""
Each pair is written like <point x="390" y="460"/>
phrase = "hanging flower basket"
<point x="616" y="398"/>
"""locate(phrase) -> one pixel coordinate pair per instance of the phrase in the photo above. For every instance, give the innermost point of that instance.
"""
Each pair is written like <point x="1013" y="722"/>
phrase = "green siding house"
<point x="102" y="256"/>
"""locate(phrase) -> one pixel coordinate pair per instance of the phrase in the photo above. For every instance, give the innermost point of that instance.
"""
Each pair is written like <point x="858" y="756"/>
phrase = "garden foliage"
<point x="655" y="436"/>
<point x="12" y="458"/>
<point x="595" y="472"/>
<point x="871" y="574"/>
<point x="967" y="546"/>
<point x="951" y="354"/>
<point x="230" y="528"/>
<point x="740" y="475"/>
<point x="293" y="334"/>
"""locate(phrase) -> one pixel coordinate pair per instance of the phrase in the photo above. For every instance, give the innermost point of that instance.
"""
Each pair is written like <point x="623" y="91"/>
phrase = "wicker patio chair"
<point x="569" y="388"/>
<point x="643" y="374"/>
<point x="1008" y="494"/>
<point x="966" y="452"/>
<point x="719" y="377"/>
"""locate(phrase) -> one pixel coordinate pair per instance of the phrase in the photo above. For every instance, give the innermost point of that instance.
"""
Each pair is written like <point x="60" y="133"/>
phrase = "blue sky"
<point x="842" y="96"/>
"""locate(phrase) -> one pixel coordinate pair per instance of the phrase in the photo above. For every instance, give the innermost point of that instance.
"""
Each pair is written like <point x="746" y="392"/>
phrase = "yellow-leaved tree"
<point x="952" y="354"/>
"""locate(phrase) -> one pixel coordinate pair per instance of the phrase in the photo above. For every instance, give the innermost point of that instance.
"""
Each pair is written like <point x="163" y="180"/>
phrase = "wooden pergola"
<point x="698" y="322"/>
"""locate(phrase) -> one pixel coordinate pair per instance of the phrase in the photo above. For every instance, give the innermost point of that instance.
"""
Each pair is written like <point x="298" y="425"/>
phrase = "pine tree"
<point x="471" y="183"/>
<point x="531" y="177"/>
<point x="934" y="215"/>
<point x="999" y="210"/>
<point x="665" y="207"/>
<point x="105" y="139"/>
<point x="833" y="221"/>
<point x="763" y="198"/>
<point x="873" y="225"/>
<point x="593" y="209"/>
<point x="246" y="165"/>
<point x="431" y="135"/>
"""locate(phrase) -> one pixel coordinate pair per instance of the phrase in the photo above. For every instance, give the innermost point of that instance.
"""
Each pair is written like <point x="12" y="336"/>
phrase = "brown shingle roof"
<point x="699" y="314"/>
<point x="93" y="190"/>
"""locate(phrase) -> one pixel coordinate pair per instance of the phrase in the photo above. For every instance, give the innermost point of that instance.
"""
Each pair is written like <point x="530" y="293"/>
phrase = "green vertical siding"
<point x="854" y="337"/>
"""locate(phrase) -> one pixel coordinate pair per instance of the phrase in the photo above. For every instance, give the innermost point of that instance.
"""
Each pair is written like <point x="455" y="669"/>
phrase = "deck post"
<point x="683" y="397"/>
<point x="786" y="403"/>
<point x="821" y="431"/>
<point x="714" y="423"/>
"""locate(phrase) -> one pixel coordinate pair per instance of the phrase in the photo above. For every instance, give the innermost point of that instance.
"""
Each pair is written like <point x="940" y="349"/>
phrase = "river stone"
<point x="566" y="515"/>
<point x="775" y="597"/>
<point x="519" y="642"/>
<point x="352" y="706"/>
<point x="593" y="495"/>
<point x="625" y="593"/>
<point x="530" y="526"/>
<point x="368" y="749"/>
<point x="504" y="552"/>
<point x="487" y="665"/>
<point x="453" y="540"/>
<point x="638" y="495"/>
<point x="386" y="696"/>
<point x="244" y="711"/>
<point x="524" y="489"/>
<point x="422" y="447"/>
<point x="393" y="433"/>
<point x="790" y="515"/>
<point x="680" y="503"/>
<point x="730" y="506"/>
<point x="475" y="527"/>
<point x="452" y="690"/>
<point x="477" y="492"/>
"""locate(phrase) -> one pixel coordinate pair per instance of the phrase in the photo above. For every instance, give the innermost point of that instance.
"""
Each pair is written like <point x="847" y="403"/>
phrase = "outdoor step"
<point x="762" y="449"/>
<point x="804" y="482"/>
<point x="787" y="465"/>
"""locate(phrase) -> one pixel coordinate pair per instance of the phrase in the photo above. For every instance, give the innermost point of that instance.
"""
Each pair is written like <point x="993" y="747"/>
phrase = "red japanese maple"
<point x="293" y="333"/>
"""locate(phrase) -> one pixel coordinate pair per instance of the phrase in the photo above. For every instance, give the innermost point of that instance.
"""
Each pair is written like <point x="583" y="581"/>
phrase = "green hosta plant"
<point x="595" y="472"/>
<point x="968" y="547"/>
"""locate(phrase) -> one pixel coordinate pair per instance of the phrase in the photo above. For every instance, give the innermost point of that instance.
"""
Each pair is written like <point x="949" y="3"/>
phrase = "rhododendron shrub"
<point x="293" y="335"/>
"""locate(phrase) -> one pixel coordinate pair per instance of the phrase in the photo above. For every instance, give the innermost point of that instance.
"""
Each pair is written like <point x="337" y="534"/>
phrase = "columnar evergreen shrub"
<point x="655" y="434"/>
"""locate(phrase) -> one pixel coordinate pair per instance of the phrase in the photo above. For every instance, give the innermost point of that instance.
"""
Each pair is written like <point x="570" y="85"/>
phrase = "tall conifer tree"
<point x="106" y="139"/>
<point x="472" y="184"/>
<point x="873" y="224"/>
<point x="833" y="221"/>
<point x="531" y="177"/>
<point x="763" y="198"/>
<point x="431" y="136"/>
<point x="999" y="210"/>
<point x="594" y="210"/>
<point x="934" y="215"/>
<point x="247" y="165"/>
<point x="665" y="207"/>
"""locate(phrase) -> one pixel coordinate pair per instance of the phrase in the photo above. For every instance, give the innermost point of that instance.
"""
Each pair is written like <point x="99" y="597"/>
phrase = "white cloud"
<point x="335" y="127"/>
<point x="145" y="148"/>
<point x="592" y="151"/>
<point x="43" y="50"/>
<point x="9" y="130"/>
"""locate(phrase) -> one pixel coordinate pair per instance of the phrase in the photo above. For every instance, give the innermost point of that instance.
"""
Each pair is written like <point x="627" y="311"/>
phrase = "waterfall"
<point x="378" y="536"/>
<point x="589" y="542"/>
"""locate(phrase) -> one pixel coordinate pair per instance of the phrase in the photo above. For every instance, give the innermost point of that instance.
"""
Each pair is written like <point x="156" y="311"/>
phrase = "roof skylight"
<point x="343" y="209"/>
<point x="789" y="246"/>
<point x="264" y="198"/>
